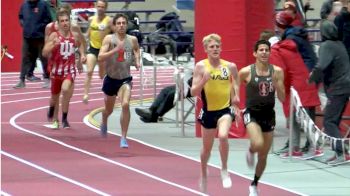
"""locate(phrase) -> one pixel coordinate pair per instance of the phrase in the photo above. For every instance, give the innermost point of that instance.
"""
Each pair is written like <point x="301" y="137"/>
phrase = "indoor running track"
<point x="36" y="160"/>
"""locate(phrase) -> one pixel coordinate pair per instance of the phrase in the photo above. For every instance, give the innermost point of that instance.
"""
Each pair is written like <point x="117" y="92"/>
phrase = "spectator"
<point x="290" y="7"/>
<point x="330" y="9"/>
<point x="295" y="55"/>
<point x="333" y="69"/>
<point x="342" y="21"/>
<point x="34" y="15"/>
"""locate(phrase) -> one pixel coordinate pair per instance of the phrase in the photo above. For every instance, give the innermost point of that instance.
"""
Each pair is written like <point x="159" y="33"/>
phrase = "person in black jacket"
<point x="333" y="69"/>
<point x="34" y="15"/>
<point x="162" y="104"/>
<point x="342" y="21"/>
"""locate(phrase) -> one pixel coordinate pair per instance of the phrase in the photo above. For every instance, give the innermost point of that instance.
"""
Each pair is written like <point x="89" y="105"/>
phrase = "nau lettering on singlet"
<point x="216" y="92"/>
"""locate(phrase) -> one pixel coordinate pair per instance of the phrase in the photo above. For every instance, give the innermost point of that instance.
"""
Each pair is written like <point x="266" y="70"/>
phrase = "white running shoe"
<point x="226" y="180"/>
<point x="203" y="185"/>
<point x="253" y="190"/>
<point x="250" y="159"/>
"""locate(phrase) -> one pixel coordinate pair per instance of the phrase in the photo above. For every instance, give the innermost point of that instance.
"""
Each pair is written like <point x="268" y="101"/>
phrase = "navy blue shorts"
<point x="93" y="51"/>
<point x="265" y="118"/>
<point x="209" y="119"/>
<point x="111" y="86"/>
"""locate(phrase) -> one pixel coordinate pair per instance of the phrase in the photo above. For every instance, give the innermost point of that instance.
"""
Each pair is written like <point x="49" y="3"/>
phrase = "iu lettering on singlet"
<point x="63" y="56"/>
<point x="216" y="92"/>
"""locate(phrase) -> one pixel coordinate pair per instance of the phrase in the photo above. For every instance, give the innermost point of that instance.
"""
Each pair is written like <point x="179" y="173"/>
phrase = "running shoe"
<point x="226" y="180"/>
<point x="295" y="154"/>
<point x="123" y="143"/>
<point x="65" y="124"/>
<point x="339" y="159"/>
<point x="55" y="124"/>
<point x="86" y="99"/>
<point x="203" y="185"/>
<point x="312" y="153"/>
<point x="253" y="190"/>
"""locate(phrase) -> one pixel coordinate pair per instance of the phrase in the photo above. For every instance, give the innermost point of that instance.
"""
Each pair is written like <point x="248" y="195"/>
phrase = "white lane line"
<point x="135" y="87"/>
<point x="14" y="124"/>
<point x="4" y="193"/>
<point x="54" y="174"/>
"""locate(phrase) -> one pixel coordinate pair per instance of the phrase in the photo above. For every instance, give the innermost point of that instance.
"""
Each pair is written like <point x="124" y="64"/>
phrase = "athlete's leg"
<point x="224" y="125"/>
<point x="124" y="94"/>
<point x="263" y="152"/>
<point x="90" y="63"/>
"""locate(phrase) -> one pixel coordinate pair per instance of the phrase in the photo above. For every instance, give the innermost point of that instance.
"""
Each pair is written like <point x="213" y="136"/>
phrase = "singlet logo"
<point x="66" y="49"/>
<point x="265" y="88"/>
<point x="222" y="76"/>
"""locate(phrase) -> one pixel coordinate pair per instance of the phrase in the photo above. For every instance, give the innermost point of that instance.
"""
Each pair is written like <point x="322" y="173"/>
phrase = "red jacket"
<point x="285" y="55"/>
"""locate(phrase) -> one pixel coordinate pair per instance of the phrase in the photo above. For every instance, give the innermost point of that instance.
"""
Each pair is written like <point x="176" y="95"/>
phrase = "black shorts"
<point x="93" y="51"/>
<point x="265" y="118"/>
<point x="111" y="86"/>
<point x="209" y="119"/>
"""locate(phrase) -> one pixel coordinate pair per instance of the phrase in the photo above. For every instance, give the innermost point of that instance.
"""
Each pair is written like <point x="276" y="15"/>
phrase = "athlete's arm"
<point x="81" y="38"/>
<point x="48" y="30"/>
<point x="200" y="77"/>
<point x="235" y="87"/>
<point x="136" y="50"/>
<point x="278" y="82"/>
<point x="50" y="44"/>
<point x="104" y="53"/>
<point x="244" y="75"/>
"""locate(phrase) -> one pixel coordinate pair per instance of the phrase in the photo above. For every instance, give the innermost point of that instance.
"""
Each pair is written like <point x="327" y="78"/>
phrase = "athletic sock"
<point x="255" y="181"/>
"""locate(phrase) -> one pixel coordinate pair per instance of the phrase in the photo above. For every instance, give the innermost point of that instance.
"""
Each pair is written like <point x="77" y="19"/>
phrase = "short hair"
<point x="62" y="13"/>
<point x="65" y="6"/>
<point x="103" y="1"/>
<point x="209" y="37"/>
<point x="261" y="42"/>
<point x="120" y="15"/>
<point x="266" y="34"/>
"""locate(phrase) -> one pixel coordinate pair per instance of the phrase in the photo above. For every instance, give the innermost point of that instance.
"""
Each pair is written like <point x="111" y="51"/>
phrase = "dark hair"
<point x="62" y="13"/>
<point x="119" y="15"/>
<point x="261" y="42"/>
<point x="266" y="34"/>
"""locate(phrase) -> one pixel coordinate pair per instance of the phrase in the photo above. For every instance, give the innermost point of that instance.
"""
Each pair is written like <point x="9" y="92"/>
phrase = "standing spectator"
<point x="342" y="21"/>
<point x="60" y="48"/>
<point x="285" y="55"/>
<point x="119" y="51"/>
<point x="100" y="25"/>
<point x="294" y="42"/>
<point x="290" y="7"/>
<point x="262" y="81"/>
<point x="330" y="9"/>
<point x="216" y="81"/>
<point x="34" y="15"/>
<point x="333" y="69"/>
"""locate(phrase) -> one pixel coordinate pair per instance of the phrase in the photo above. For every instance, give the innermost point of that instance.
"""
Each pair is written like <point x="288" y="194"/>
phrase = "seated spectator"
<point x="162" y="104"/>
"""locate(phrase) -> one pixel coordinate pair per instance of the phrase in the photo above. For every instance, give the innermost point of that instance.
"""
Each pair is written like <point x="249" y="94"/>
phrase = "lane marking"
<point x="38" y="167"/>
<point x="14" y="124"/>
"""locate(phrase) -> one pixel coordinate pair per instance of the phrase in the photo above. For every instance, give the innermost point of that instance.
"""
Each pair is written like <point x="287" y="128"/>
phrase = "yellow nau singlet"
<point x="216" y="92"/>
<point x="96" y="29"/>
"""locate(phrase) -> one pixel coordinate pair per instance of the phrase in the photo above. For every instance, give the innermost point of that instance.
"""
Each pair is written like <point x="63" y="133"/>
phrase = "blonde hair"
<point x="209" y="37"/>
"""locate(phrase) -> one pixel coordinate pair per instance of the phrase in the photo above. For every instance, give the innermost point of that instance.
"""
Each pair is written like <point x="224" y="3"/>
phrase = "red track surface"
<point x="81" y="155"/>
